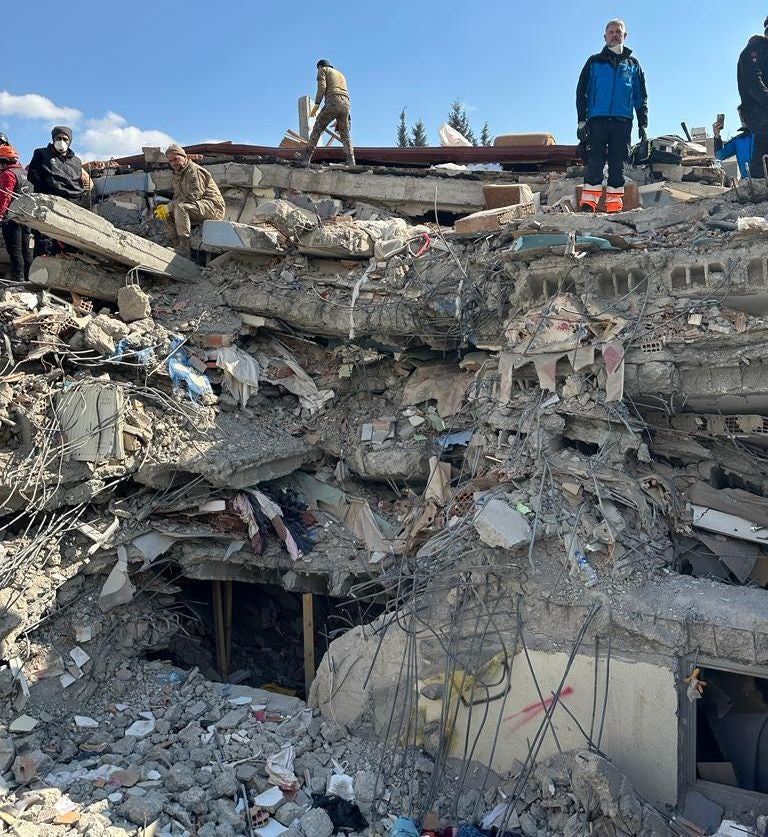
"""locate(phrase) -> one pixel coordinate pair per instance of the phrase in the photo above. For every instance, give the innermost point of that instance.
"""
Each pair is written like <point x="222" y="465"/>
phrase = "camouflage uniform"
<point x="332" y="86"/>
<point x="196" y="197"/>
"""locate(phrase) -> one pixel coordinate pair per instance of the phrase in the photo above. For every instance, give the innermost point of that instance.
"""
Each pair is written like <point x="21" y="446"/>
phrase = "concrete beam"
<point x="78" y="276"/>
<point x="67" y="222"/>
<point x="408" y="194"/>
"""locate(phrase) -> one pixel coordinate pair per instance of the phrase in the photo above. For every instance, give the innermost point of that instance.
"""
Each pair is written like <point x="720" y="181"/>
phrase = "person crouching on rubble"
<point x="57" y="170"/>
<point x="611" y="86"/>
<point x="196" y="198"/>
<point x="16" y="236"/>
<point x="331" y="86"/>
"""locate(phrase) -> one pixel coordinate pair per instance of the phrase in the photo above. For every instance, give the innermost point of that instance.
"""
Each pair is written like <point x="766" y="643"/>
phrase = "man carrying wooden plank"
<point x="331" y="86"/>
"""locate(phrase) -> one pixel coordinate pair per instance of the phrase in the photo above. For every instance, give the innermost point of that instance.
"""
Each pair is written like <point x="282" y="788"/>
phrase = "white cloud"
<point x="34" y="106"/>
<point x="112" y="136"/>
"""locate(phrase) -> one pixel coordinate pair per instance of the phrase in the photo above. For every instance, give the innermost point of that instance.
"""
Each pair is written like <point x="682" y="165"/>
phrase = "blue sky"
<point x="144" y="72"/>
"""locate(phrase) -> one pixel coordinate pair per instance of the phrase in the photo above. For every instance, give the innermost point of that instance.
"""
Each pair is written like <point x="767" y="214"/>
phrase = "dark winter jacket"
<point x="752" y="72"/>
<point x="612" y="85"/>
<point x="51" y="173"/>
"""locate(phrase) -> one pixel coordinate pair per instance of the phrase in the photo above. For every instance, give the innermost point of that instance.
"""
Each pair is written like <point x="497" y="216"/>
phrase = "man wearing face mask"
<point x="611" y="86"/>
<point x="196" y="198"/>
<point x="56" y="170"/>
<point x="752" y="74"/>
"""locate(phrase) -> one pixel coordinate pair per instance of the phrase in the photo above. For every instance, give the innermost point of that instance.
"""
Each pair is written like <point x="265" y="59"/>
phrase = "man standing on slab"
<point x="611" y="88"/>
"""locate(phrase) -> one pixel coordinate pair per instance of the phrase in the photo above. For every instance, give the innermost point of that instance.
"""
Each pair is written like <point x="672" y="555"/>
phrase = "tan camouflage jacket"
<point x="194" y="183"/>
<point x="330" y="82"/>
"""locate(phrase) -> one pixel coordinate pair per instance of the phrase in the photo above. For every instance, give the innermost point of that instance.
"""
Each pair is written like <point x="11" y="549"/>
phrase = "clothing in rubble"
<point x="332" y="87"/>
<point x="15" y="235"/>
<point x="611" y="87"/>
<point x="57" y="170"/>
<point x="343" y="814"/>
<point x="752" y="72"/>
<point x="196" y="197"/>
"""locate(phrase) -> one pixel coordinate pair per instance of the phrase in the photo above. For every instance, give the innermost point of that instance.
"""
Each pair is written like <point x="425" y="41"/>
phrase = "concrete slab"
<point x="137" y="182"/>
<point x="67" y="222"/>
<point x="229" y="236"/>
<point x="410" y="195"/>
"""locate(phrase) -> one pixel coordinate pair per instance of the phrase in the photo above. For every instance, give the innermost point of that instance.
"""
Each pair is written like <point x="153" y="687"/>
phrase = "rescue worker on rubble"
<point x="611" y="86"/>
<point x="331" y="86"/>
<point x="196" y="197"/>
<point x="57" y="170"/>
<point x="15" y="235"/>
<point x="752" y="72"/>
<point x="739" y="146"/>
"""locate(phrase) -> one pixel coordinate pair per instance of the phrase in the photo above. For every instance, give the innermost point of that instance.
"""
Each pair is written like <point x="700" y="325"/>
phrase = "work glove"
<point x="315" y="109"/>
<point x="643" y="132"/>
<point x="161" y="212"/>
<point x="582" y="132"/>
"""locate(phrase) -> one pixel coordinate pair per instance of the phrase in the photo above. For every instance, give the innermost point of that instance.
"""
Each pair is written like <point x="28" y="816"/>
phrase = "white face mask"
<point x="61" y="145"/>
<point x="618" y="49"/>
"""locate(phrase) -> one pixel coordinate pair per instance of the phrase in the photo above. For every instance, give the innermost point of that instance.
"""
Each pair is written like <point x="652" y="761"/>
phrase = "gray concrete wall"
<point x="641" y="722"/>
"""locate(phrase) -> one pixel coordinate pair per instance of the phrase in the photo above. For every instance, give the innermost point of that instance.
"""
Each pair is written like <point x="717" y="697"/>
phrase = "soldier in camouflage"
<point x="331" y="86"/>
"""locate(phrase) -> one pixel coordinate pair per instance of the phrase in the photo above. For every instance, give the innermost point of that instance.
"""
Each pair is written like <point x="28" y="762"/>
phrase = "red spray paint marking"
<point x="528" y="713"/>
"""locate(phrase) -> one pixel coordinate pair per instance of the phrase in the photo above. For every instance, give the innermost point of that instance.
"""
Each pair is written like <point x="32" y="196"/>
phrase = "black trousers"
<point x="756" y="168"/>
<point x="16" y="238"/>
<point x="608" y="142"/>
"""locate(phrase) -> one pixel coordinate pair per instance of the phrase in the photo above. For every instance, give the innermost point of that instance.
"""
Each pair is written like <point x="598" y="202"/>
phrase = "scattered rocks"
<point x="316" y="823"/>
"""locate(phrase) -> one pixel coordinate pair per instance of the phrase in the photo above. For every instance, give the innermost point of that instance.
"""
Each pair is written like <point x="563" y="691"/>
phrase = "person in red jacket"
<point x="16" y="236"/>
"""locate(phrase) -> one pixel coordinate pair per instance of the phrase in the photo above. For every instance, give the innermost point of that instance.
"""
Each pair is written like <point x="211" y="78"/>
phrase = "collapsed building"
<point x="481" y="480"/>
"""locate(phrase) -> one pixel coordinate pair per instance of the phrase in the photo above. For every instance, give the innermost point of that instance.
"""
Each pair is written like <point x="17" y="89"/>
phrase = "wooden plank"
<point x="218" y="629"/>
<point x="67" y="222"/>
<point x="308" y="607"/>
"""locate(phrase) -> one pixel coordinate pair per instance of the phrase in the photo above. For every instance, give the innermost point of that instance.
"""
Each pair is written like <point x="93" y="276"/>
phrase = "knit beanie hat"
<point x="174" y="149"/>
<point x="62" y="129"/>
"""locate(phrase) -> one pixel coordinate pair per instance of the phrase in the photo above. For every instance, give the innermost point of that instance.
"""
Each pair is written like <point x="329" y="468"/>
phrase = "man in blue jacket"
<point x="741" y="146"/>
<point x="611" y="88"/>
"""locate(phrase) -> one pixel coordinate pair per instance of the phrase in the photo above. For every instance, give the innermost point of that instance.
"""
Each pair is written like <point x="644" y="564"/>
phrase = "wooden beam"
<point x="308" y="607"/>
<point x="228" y="624"/>
<point x="218" y="629"/>
<point x="65" y="221"/>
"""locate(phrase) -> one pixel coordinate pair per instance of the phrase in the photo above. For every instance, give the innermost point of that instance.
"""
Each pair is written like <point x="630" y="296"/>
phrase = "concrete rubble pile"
<point x="525" y="446"/>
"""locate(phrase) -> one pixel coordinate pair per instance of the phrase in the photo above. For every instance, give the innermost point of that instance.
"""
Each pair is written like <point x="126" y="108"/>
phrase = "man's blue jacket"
<point x="741" y="145"/>
<point x="612" y="85"/>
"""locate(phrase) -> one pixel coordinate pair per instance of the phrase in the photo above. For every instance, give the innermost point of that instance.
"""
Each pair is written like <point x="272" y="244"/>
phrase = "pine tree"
<point x="458" y="119"/>
<point x="419" y="135"/>
<point x="402" y="132"/>
<point x="485" y="136"/>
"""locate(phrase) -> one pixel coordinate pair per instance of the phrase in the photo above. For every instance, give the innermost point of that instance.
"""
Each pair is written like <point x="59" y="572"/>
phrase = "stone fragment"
<point x="195" y="800"/>
<point x="316" y="823"/>
<point x="498" y="524"/>
<point x="133" y="303"/>
<point x="180" y="777"/>
<point x="232" y="719"/>
<point x="7" y="753"/>
<point x="288" y="813"/>
<point x="224" y="783"/>
<point x="141" y="728"/>
<point x="142" y="810"/>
